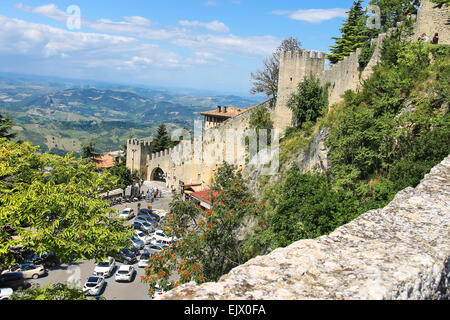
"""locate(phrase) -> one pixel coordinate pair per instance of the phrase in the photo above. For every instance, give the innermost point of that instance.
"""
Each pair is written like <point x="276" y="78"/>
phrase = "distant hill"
<point x="60" y="117"/>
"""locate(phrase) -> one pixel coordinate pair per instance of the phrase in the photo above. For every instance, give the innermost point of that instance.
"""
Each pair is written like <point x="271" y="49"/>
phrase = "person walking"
<point x="435" y="39"/>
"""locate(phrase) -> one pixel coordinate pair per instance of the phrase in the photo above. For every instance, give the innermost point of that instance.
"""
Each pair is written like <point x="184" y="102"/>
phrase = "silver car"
<point x="154" y="248"/>
<point x="137" y="243"/>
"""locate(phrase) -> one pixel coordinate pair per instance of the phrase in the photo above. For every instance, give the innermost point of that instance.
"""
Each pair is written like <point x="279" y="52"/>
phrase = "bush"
<point x="310" y="101"/>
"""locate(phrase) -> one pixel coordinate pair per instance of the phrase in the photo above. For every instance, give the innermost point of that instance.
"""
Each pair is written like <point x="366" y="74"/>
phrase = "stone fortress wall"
<point x="294" y="66"/>
<point x="399" y="252"/>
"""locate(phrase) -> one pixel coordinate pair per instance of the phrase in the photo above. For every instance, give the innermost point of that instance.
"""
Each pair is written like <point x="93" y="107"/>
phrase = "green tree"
<point x="210" y="244"/>
<point x="309" y="102"/>
<point x="5" y="126"/>
<point x="50" y="204"/>
<point x="354" y="33"/>
<point x="57" y="292"/>
<point x="88" y="150"/>
<point x="260" y="120"/>
<point x="308" y="207"/>
<point x="123" y="175"/>
<point x="161" y="141"/>
<point x="393" y="11"/>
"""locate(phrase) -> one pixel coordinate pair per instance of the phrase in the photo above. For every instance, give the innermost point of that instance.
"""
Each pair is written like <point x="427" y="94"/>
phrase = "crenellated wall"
<point x="346" y="74"/>
<point x="399" y="252"/>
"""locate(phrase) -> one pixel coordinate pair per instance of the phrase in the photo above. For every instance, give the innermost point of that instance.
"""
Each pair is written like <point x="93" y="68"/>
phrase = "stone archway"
<point x="158" y="174"/>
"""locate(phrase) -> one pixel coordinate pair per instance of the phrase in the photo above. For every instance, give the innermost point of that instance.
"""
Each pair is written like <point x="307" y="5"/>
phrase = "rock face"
<point x="399" y="252"/>
<point x="316" y="158"/>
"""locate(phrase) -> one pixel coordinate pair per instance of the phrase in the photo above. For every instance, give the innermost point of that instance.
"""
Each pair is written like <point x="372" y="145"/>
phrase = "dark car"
<point x="126" y="256"/>
<point x="13" y="280"/>
<point x="47" y="260"/>
<point x="149" y="213"/>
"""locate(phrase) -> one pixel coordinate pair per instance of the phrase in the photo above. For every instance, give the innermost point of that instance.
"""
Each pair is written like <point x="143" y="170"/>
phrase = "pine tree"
<point x="354" y="33"/>
<point x="5" y="127"/>
<point x="161" y="141"/>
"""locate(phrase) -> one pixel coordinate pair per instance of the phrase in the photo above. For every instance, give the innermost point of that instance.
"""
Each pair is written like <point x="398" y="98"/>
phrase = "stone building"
<point x="216" y="117"/>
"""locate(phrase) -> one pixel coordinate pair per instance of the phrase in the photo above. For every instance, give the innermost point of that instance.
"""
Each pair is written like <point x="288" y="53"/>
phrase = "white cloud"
<point x="215" y="25"/>
<point x="314" y="15"/>
<point x="210" y="3"/>
<point x="140" y="27"/>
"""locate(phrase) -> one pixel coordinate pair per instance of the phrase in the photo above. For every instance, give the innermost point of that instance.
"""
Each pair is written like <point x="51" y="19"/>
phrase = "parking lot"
<point x="79" y="272"/>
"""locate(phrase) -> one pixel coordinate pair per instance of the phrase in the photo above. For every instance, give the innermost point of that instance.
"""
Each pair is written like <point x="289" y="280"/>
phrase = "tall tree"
<point x="50" y="204"/>
<point x="88" y="150"/>
<point x="354" y="33"/>
<point x="266" y="80"/>
<point x="393" y="11"/>
<point x="210" y="244"/>
<point x="161" y="141"/>
<point x="5" y="127"/>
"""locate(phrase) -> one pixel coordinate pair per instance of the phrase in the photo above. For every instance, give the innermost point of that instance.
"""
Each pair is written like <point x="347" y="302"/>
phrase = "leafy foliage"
<point x="393" y="11"/>
<point x="5" y="126"/>
<point x="50" y="204"/>
<point x="354" y="33"/>
<point x="309" y="102"/>
<point x="57" y="292"/>
<point x="209" y="244"/>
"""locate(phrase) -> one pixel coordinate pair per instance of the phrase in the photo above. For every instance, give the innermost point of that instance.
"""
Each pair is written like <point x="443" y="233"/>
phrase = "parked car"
<point x="29" y="271"/>
<point x="5" y="293"/>
<point x="94" y="286"/>
<point x="127" y="214"/>
<point x="150" y="213"/>
<point x="125" y="273"/>
<point x="154" y="248"/>
<point x="143" y="226"/>
<point x="143" y="236"/>
<point x="13" y="280"/>
<point x="143" y="260"/>
<point x="137" y="243"/>
<point x="126" y="256"/>
<point x="47" y="260"/>
<point x="160" y="236"/>
<point x="105" y="269"/>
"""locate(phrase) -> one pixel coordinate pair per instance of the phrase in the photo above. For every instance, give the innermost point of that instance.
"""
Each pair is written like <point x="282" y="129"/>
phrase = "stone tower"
<point x="294" y="67"/>
<point x="138" y="153"/>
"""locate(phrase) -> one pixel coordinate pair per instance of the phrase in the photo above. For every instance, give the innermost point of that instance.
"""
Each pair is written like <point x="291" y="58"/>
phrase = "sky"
<point x="205" y="44"/>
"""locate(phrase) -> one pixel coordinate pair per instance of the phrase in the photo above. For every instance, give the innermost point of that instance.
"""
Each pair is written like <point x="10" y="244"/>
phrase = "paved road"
<point x="114" y="291"/>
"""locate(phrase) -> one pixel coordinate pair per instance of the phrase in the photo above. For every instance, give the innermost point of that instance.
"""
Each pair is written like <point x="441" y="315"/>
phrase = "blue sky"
<point x="212" y="45"/>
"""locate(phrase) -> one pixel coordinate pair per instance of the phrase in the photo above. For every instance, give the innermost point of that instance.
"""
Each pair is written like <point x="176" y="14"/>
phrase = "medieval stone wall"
<point x="399" y="252"/>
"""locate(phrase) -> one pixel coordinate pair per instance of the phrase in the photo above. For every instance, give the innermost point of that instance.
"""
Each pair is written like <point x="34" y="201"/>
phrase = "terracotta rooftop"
<point x="224" y="112"/>
<point x="104" y="161"/>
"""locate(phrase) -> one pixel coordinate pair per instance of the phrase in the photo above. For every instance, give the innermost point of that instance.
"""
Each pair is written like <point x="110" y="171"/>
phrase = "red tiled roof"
<point x="204" y="195"/>
<point x="231" y="112"/>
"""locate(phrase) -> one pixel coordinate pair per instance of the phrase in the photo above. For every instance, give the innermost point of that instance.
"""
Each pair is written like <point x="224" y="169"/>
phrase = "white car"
<point x="143" y="260"/>
<point x="94" y="285"/>
<point x="127" y="214"/>
<point x="143" y="237"/>
<point x="5" y="293"/>
<point x="105" y="269"/>
<point x="125" y="273"/>
<point x="160" y="237"/>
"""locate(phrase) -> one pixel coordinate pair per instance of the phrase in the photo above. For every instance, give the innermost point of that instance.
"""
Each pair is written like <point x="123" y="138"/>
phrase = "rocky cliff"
<point x="399" y="252"/>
